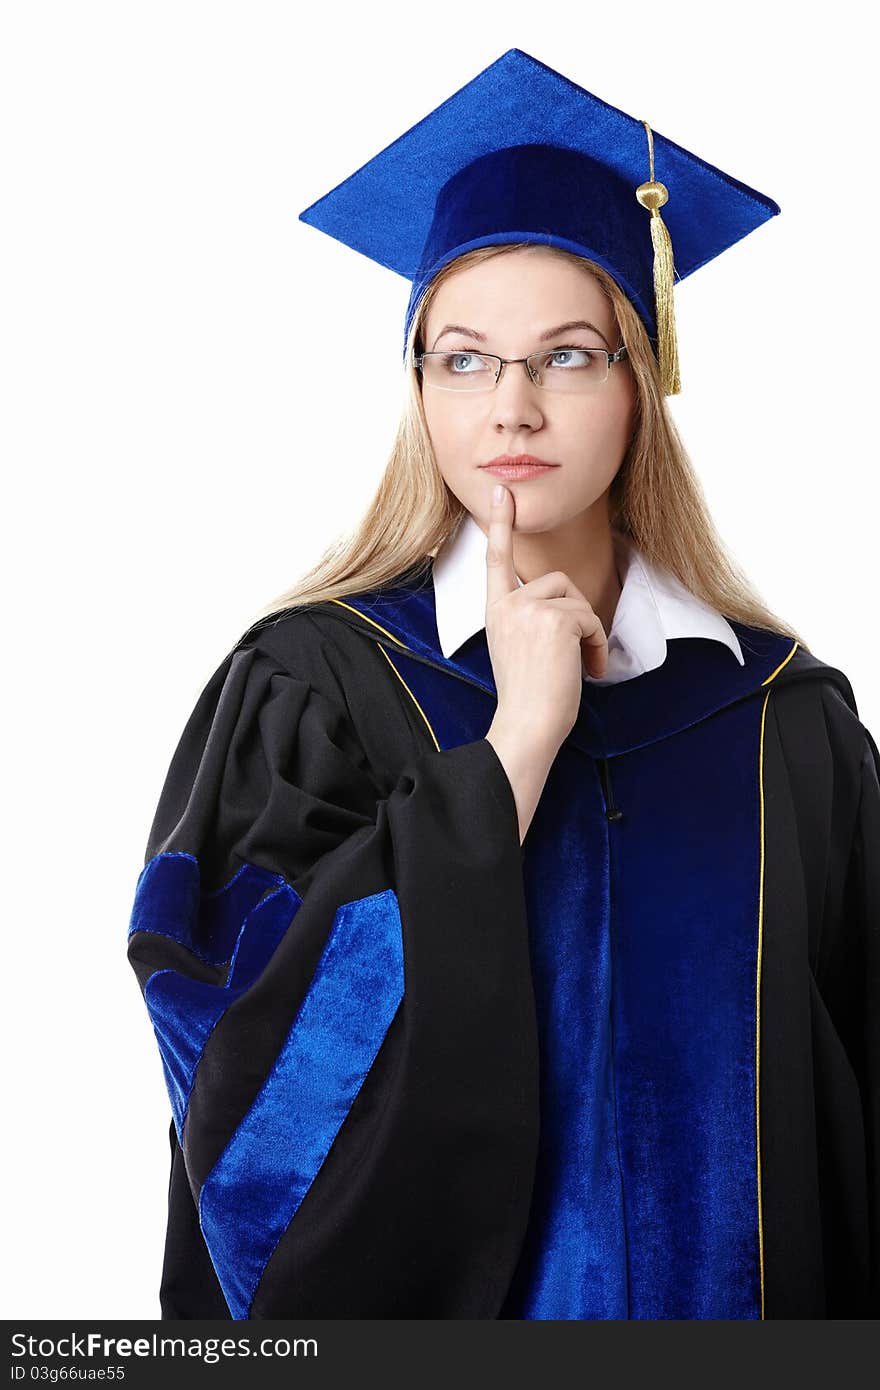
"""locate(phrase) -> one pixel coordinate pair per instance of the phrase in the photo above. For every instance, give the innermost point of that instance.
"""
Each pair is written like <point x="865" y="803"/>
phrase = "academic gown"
<point x="629" y="1069"/>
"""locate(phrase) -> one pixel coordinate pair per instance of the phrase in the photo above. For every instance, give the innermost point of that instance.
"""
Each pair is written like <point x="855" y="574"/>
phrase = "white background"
<point x="166" y="472"/>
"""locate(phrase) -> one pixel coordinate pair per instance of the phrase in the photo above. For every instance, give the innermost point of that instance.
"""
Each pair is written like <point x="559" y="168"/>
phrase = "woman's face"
<point x="508" y="305"/>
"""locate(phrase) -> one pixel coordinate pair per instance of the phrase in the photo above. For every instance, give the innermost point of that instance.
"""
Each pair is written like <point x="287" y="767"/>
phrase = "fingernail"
<point x="498" y="492"/>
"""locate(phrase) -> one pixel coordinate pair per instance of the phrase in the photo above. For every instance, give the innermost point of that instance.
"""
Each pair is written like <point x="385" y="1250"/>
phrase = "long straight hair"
<point x="655" y="499"/>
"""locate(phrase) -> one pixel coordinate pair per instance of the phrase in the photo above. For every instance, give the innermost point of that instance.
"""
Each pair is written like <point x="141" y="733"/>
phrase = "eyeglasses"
<point x="582" y="371"/>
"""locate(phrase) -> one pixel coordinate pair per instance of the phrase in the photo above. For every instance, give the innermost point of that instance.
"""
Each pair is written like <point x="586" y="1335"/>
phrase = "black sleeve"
<point x="338" y="979"/>
<point x="851" y="990"/>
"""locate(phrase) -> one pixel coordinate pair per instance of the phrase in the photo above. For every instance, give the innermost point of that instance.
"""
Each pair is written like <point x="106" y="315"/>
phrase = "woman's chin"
<point x="533" y="513"/>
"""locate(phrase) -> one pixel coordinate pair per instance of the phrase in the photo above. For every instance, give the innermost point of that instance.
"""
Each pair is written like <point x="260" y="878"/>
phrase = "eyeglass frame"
<point x="417" y="358"/>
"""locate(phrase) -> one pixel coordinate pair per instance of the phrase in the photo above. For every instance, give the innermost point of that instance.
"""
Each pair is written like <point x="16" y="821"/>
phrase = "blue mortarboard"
<point x="521" y="153"/>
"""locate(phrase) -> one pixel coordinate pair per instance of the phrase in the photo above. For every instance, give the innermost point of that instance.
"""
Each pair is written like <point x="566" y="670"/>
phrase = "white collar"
<point x="652" y="609"/>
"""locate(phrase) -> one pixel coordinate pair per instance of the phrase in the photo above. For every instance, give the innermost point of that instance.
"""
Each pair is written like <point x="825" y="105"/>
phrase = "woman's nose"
<point x="516" y="398"/>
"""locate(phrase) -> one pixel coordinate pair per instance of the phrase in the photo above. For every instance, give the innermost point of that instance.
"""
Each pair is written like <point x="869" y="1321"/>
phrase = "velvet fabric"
<point x="266" y="1169"/>
<point x="234" y="929"/>
<point x="270" y="1161"/>
<point x="521" y="153"/>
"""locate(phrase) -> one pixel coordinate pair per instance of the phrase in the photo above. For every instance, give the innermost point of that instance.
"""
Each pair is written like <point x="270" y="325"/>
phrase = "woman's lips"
<point x="516" y="472"/>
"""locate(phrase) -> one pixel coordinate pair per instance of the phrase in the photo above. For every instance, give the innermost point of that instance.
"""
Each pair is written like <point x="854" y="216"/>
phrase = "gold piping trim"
<point x="758" y="975"/>
<point x="391" y="663"/>
<point x="758" y="997"/>
<point x="409" y="693"/>
<point x="780" y="666"/>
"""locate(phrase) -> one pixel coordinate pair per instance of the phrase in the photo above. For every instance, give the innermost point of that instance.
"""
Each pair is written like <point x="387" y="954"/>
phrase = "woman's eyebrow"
<point x="551" y="332"/>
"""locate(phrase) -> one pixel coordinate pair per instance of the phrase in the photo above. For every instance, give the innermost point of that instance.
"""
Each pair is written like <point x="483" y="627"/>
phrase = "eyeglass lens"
<point x="562" y="369"/>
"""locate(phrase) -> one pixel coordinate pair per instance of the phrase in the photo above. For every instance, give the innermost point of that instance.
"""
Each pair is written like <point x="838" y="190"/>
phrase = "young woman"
<point x="510" y="918"/>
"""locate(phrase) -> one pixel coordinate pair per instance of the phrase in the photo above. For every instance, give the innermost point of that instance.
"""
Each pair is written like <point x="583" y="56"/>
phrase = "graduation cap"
<point x="523" y="154"/>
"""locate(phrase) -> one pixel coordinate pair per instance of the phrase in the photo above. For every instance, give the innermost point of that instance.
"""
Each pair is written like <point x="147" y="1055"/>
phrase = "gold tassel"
<point x="653" y="195"/>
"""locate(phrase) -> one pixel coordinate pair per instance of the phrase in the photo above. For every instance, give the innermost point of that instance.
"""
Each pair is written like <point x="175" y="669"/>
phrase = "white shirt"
<point x="652" y="609"/>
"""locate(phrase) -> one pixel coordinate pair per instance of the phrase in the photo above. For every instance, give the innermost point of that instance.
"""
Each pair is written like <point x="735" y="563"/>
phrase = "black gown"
<point x="629" y="1069"/>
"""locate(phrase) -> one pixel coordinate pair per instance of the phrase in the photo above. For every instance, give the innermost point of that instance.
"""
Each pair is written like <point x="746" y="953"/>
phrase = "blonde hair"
<point x="655" y="498"/>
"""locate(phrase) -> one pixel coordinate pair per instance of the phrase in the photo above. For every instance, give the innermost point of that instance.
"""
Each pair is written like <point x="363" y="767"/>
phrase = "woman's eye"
<point x="571" y="357"/>
<point x="452" y="362"/>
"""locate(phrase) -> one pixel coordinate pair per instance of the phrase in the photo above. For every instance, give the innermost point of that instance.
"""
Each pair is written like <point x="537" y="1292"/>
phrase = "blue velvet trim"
<point x="686" y="1017"/>
<point x="184" y="1011"/>
<point x="168" y="899"/>
<point x="574" y="1260"/>
<point x="266" y="1169"/>
<point x="697" y="678"/>
<point x="646" y="1206"/>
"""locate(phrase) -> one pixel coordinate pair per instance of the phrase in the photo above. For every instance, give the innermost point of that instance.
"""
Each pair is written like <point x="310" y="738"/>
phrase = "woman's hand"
<point x="536" y="635"/>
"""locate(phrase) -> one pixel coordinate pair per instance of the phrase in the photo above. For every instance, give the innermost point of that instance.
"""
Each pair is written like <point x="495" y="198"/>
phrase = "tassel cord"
<point x="653" y="195"/>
